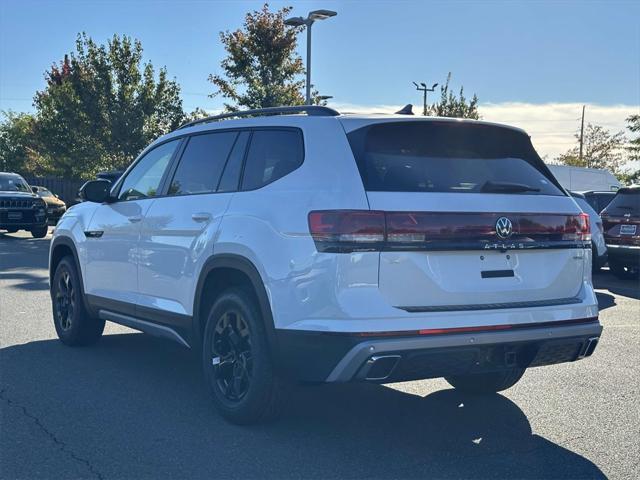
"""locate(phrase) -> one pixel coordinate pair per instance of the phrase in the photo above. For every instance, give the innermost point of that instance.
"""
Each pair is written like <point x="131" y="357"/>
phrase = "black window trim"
<point x="177" y="155"/>
<point x="242" y="161"/>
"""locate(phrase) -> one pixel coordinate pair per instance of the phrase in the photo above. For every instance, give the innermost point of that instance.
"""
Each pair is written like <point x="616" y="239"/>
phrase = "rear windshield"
<point x="626" y="201"/>
<point x="449" y="157"/>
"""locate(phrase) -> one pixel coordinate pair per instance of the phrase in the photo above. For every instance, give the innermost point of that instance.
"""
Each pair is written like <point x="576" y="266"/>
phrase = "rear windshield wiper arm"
<point x="507" y="187"/>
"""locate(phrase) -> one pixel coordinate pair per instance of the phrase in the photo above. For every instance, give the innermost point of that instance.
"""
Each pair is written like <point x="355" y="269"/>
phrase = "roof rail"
<point x="312" y="110"/>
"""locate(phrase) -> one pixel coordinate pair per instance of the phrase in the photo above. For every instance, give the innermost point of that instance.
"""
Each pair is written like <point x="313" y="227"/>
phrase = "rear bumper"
<point x="624" y="252"/>
<point x="325" y="357"/>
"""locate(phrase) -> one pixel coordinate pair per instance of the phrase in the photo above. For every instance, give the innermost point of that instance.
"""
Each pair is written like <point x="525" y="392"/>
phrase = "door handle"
<point x="135" y="218"/>
<point x="201" y="217"/>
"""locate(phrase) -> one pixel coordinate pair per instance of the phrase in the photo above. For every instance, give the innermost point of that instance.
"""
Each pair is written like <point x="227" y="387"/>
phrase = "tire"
<point x="40" y="232"/>
<point x="624" y="271"/>
<point x="486" y="382"/>
<point x="73" y="324"/>
<point x="242" y="383"/>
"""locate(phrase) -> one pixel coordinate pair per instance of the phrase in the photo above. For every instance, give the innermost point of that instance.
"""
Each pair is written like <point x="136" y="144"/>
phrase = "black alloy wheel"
<point x="231" y="358"/>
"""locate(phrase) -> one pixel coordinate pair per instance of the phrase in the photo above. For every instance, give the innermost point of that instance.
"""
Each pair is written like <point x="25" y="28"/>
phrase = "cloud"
<point x="552" y="126"/>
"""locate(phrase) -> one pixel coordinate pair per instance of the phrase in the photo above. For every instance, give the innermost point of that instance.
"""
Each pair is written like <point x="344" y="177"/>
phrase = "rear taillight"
<point x="343" y="231"/>
<point x="584" y="227"/>
<point x="347" y="230"/>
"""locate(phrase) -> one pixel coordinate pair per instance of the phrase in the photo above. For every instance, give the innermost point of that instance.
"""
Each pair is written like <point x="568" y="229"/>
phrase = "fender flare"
<point x="68" y="242"/>
<point x="244" y="265"/>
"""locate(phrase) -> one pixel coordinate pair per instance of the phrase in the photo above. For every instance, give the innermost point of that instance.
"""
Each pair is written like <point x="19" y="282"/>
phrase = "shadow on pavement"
<point x="605" y="300"/>
<point x="605" y="280"/>
<point x="22" y="260"/>
<point x="134" y="406"/>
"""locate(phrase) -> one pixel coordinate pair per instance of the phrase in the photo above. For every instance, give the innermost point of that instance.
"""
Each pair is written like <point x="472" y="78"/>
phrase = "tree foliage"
<point x="262" y="68"/>
<point x="101" y="107"/>
<point x="601" y="149"/>
<point x="633" y="124"/>
<point x="452" y="105"/>
<point x="18" y="146"/>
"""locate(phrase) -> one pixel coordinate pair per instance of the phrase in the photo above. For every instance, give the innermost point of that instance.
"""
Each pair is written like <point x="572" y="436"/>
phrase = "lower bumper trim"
<point x="534" y="347"/>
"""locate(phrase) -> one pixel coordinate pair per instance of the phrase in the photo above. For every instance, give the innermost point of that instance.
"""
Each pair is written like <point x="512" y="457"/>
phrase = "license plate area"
<point x="628" y="229"/>
<point x="14" y="215"/>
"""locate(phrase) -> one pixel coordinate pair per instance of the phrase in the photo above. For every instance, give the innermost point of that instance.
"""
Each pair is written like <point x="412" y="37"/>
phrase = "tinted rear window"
<point x="448" y="157"/>
<point x="272" y="155"/>
<point x="202" y="163"/>
<point x="625" y="202"/>
<point x="599" y="200"/>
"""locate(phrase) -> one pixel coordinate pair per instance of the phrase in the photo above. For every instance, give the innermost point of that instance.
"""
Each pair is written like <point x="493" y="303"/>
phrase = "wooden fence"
<point x="67" y="190"/>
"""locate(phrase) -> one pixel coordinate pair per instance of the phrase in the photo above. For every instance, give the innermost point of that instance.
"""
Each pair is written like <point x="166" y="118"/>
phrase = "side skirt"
<point x="143" y="326"/>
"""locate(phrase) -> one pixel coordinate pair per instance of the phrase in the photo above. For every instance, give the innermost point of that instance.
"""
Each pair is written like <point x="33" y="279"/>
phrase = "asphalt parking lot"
<point x="133" y="407"/>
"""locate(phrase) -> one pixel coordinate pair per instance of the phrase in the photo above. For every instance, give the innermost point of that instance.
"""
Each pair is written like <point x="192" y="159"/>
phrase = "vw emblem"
<point x="504" y="228"/>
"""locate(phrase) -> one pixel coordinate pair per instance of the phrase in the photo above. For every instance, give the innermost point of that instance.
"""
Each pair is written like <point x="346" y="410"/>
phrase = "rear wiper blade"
<point x="507" y="187"/>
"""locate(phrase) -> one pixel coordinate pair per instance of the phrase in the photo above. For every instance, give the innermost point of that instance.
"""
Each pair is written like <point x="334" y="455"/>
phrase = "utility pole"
<point x="582" y="134"/>
<point x="423" y="88"/>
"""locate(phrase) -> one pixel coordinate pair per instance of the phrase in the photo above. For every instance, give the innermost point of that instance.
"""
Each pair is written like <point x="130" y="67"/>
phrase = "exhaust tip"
<point x="380" y="367"/>
<point x="588" y="347"/>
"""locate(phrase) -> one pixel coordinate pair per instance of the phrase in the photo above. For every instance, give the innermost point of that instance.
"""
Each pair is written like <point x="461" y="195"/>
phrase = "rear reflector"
<point x="343" y="231"/>
<point x="486" y="328"/>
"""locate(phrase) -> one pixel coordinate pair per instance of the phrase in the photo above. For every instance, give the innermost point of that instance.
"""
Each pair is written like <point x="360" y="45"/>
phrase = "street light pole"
<point x="423" y="88"/>
<point x="308" y="86"/>
<point x="307" y="22"/>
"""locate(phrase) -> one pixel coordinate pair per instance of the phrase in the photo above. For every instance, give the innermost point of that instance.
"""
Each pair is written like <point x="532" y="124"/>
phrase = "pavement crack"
<point x="61" y="445"/>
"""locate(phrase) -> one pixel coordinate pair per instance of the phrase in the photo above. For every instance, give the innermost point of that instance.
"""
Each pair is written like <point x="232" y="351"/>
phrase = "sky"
<point x="532" y="63"/>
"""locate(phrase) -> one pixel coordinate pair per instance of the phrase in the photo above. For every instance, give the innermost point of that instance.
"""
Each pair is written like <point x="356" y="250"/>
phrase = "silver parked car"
<point x="599" y="248"/>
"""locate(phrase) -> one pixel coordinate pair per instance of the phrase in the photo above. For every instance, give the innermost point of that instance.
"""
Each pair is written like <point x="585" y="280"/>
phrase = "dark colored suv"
<point x="598" y="200"/>
<point x="621" y="221"/>
<point x="20" y="207"/>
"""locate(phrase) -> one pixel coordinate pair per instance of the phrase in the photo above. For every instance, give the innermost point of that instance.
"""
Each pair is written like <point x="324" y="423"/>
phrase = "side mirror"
<point x="34" y="189"/>
<point x="96" y="191"/>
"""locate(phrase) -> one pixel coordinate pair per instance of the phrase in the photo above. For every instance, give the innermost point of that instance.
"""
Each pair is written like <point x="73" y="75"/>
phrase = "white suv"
<point x="300" y="244"/>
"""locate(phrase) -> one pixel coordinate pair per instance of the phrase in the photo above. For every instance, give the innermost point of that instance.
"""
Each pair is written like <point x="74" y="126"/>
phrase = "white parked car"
<point x="298" y="244"/>
<point x="582" y="179"/>
<point x="598" y="246"/>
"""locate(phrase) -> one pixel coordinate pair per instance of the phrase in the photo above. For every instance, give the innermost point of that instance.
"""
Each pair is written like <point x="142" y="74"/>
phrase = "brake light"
<point x="347" y="230"/>
<point x="584" y="227"/>
<point x="343" y="231"/>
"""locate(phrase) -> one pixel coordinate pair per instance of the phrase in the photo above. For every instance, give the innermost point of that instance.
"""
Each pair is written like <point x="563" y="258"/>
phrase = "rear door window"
<point x="449" y="157"/>
<point x="272" y="155"/>
<point x="232" y="170"/>
<point x="202" y="162"/>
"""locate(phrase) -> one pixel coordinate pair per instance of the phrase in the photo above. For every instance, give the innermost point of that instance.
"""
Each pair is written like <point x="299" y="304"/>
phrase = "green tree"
<point x="601" y="149"/>
<point x="452" y="105"/>
<point x="101" y="106"/>
<point x="18" y="144"/>
<point x="262" y="68"/>
<point x="633" y="124"/>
